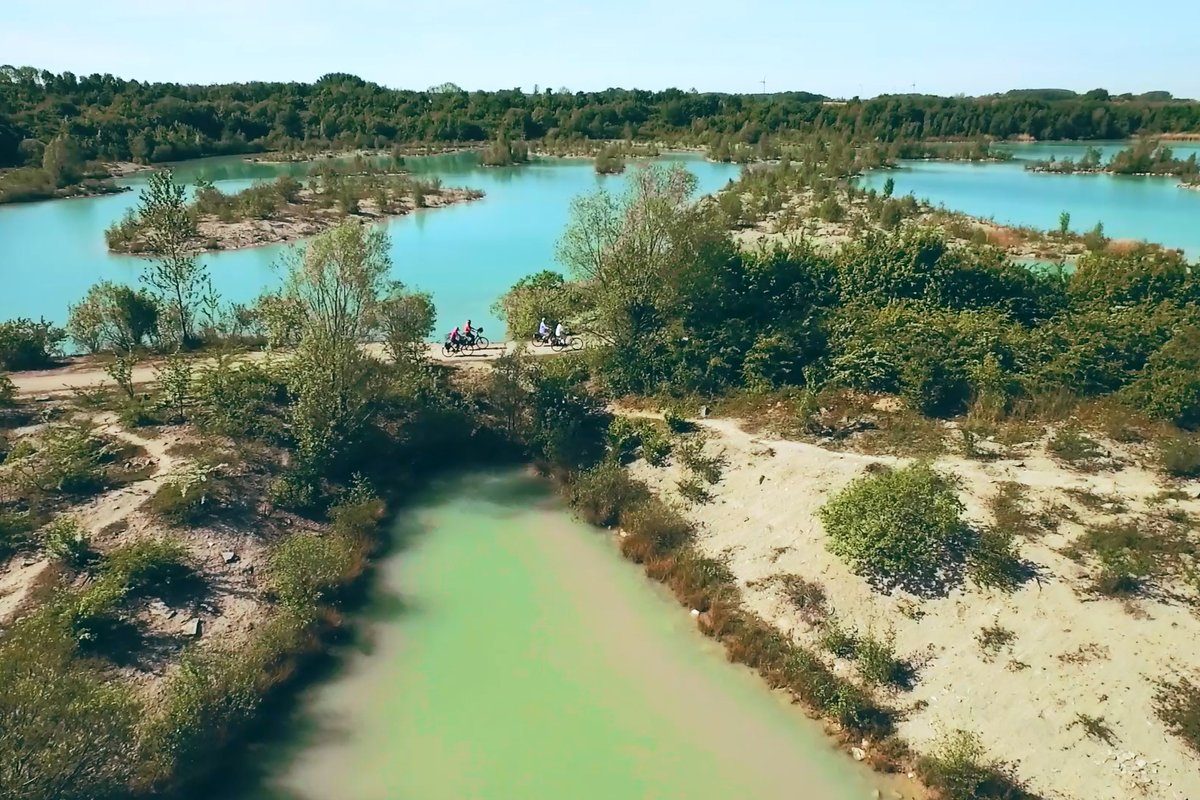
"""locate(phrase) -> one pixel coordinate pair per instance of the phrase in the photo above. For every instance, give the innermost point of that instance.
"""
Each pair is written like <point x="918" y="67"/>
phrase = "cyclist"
<point x="468" y="333"/>
<point x="560" y="331"/>
<point x="543" y="333"/>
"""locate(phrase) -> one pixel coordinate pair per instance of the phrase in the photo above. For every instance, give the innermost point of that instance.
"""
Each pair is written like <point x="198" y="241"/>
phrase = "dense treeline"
<point x="113" y="118"/>
<point x="683" y="310"/>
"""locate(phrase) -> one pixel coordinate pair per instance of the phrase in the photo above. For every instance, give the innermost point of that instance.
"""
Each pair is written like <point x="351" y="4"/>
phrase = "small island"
<point x="1145" y="157"/>
<point x="286" y="209"/>
<point x="63" y="173"/>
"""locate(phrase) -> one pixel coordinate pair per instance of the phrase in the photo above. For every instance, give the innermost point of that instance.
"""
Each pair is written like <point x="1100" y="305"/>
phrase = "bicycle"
<point x="478" y="341"/>
<point x="450" y="348"/>
<point x="560" y="345"/>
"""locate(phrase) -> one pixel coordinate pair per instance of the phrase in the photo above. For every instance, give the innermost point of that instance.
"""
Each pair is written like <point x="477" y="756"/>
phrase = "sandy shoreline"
<point x="1072" y="652"/>
<point x="304" y="220"/>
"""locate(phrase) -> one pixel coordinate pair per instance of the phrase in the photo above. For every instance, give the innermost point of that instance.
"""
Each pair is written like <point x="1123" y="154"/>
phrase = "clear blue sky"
<point x="835" y="47"/>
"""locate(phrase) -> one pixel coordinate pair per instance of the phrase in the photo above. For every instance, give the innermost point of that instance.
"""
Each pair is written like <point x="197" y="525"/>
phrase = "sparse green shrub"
<point x="305" y="568"/>
<point x="1095" y="728"/>
<point x="1130" y="554"/>
<point x="604" y="493"/>
<point x="65" y="540"/>
<point x="653" y="529"/>
<point x="841" y="642"/>
<point x="960" y="769"/>
<point x="807" y="596"/>
<point x="152" y="567"/>
<point x="707" y="468"/>
<point x="900" y="529"/>
<point x="1180" y="456"/>
<point x="1073" y="446"/>
<point x="694" y="490"/>
<point x="1177" y="704"/>
<point x="878" y="664"/>
<point x="69" y="460"/>
<point x="188" y="492"/>
<point x="994" y="559"/>
<point x="8" y="392"/>
<point x="68" y="728"/>
<point x="630" y="438"/>
<point x="994" y="638"/>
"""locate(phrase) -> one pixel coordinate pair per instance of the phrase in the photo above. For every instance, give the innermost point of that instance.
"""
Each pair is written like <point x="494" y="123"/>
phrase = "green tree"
<point x="112" y="316"/>
<point x="1064" y="223"/>
<point x="889" y="187"/>
<point x="406" y="320"/>
<point x="61" y="161"/>
<point x="178" y="279"/>
<point x="339" y="281"/>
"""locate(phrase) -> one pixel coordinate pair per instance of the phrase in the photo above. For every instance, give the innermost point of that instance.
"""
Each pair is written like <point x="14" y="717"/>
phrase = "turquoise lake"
<point x="466" y="255"/>
<point x="1131" y="207"/>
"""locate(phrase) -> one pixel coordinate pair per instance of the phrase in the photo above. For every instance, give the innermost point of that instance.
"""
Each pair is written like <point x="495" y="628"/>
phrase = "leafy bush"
<point x="305" y="568"/>
<point x="841" y="642"/>
<point x="65" y="540"/>
<point x="8" y="392"/>
<point x="113" y="317"/>
<point x="14" y="529"/>
<point x="69" y="728"/>
<point x="153" y="567"/>
<point x="960" y="769"/>
<point x="70" y="460"/>
<point x="25" y="344"/>
<point x="1169" y="385"/>
<point x="603" y="494"/>
<point x="631" y="438"/>
<point x="189" y="491"/>
<point x="297" y="491"/>
<point x="900" y="529"/>
<point x="878" y="664"/>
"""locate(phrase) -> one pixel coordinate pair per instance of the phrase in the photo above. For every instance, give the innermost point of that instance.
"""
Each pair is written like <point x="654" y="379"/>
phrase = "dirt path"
<point x="86" y="373"/>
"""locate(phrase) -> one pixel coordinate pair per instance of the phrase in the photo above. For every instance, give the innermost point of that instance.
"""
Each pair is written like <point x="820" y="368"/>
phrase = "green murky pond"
<point x="510" y="653"/>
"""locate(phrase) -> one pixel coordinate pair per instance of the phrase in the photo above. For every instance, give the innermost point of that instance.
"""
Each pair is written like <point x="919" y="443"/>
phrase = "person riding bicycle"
<point x="455" y="336"/>
<point x="543" y="333"/>
<point x="560" y="331"/>
<point x="468" y="333"/>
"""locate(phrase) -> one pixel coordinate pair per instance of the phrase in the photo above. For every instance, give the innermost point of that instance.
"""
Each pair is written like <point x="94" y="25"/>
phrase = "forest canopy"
<point x="110" y="118"/>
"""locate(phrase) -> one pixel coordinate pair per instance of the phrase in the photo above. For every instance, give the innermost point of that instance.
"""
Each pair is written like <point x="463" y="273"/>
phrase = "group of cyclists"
<point x="468" y="338"/>
<point x="543" y="335"/>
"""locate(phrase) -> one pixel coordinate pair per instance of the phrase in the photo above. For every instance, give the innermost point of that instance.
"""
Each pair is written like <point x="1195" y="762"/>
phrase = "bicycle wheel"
<point x="576" y="343"/>
<point x="483" y="343"/>
<point x="558" y="345"/>
<point x="446" y="350"/>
